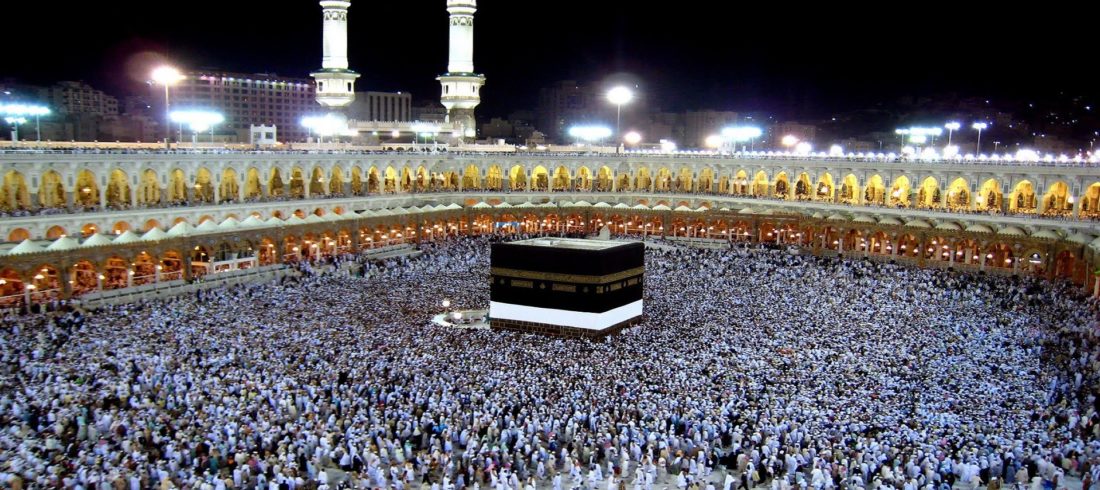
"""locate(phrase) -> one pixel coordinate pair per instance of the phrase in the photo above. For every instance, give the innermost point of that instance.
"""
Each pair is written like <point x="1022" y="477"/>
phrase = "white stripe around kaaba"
<point x="565" y="318"/>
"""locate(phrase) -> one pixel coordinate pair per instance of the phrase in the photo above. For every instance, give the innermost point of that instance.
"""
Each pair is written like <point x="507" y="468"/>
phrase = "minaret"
<point x="461" y="86"/>
<point x="335" y="82"/>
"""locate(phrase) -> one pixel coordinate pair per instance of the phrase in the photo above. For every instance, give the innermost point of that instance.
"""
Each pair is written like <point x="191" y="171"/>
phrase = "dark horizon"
<point x="699" y="56"/>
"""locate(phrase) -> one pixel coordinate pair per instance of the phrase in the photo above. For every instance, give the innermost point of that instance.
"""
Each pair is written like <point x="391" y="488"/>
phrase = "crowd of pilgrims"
<point x="752" y="368"/>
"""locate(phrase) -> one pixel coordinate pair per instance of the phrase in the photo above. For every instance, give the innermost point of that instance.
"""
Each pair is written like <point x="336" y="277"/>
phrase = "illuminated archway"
<point x="471" y="178"/>
<point x="875" y="193"/>
<point x="86" y="193"/>
<point x="928" y="195"/>
<point x="958" y="195"/>
<point x="252" y="188"/>
<point x="51" y="191"/>
<point x="204" y="186"/>
<point x="849" y="189"/>
<point x="276" y="187"/>
<point x="900" y="191"/>
<point x="297" y="183"/>
<point x="228" y="187"/>
<point x="989" y="196"/>
<point x="1022" y="200"/>
<point x="148" y="192"/>
<point x="14" y="194"/>
<point x="1057" y="201"/>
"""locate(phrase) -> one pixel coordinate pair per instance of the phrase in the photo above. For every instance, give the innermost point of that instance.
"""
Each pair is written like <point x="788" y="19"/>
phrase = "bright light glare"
<point x="668" y="146"/>
<point x="327" y="125"/>
<point x="836" y="151"/>
<point x="620" y="95"/>
<point x="590" y="133"/>
<point x="197" y="120"/>
<point x="803" y="148"/>
<point x="713" y="141"/>
<point x="951" y="151"/>
<point x="742" y="133"/>
<point x="790" y="140"/>
<point x="979" y="126"/>
<point x="23" y="110"/>
<point x="1027" y="156"/>
<point x="953" y="126"/>
<point x="632" y="138"/>
<point x="167" y="75"/>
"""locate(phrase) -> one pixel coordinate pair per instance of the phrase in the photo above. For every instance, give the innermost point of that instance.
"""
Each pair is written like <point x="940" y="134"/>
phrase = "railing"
<point x="307" y="149"/>
<point x="177" y="287"/>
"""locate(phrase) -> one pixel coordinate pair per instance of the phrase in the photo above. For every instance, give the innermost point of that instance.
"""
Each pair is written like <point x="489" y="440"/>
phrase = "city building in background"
<point x="245" y="100"/>
<point x="381" y="106"/>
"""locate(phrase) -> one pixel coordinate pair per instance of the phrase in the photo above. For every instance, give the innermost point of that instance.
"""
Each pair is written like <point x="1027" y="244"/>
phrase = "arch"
<point x="389" y="180"/>
<point x="494" y="178"/>
<point x="989" y="196"/>
<point x="18" y="235"/>
<point x="84" y="277"/>
<point x="51" y="190"/>
<point x="148" y="191"/>
<point x="875" y="193"/>
<point x="664" y="180"/>
<point x="423" y="180"/>
<point x="336" y="182"/>
<point x="88" y="230"/>
<point x="1057" y="201"/>
<point x="11" y="288"/>
<point x="46" y="281"/>
<point x="86" y="193"/>
<point x="297" y="184"/>
<point x="177" y="187"/>
<point x="120" y="227"/>
<point x="741" y="183"/>
<point x="517" y="176"/>
<point x="406" y="179"/>
<point x="356" y="181"/>
<point x="642" y="179"/>
<point x="276" y="187"/>
<point x="14" y="194"/>
<point x="561" y="180"/>
<point x="204" y="186"/>
<point x="900" y="191"/>
<point x="622" y="182"/>
<point x="928" y="194"/>
<point x="804" y="187"/>
<point x="1022" y="200"/>
<point x="825" y="188"/>
<point x="1090" y="201"/>
<point x="317" y="182"/>
<point x="471" y="177"/>
<point x="760" y="184"/>
<point x="228" y="187"/>
<point x="849" y="189"/>
<point x="252" y="188"/>
<point x="374" y="181"/>
<point x="958" y="195"/>
<point x="118" y="190"/>
<point x="604" y="179"/>
<point x="583" y="179"/>
<point x="55" y="232"/>
<point x="150" y="224"/>
<point x="684" y="180"/>
<point x="540" y="179"/>
<point x="705" y="182"/>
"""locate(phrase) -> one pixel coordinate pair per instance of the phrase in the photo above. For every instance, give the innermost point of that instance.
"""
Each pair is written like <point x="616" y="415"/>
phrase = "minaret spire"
<point x="461" y="85"/>
<point x="335" y="82"/>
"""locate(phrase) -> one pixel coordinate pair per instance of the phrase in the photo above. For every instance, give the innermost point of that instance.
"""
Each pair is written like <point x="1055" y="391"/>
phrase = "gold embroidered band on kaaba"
<point x="568" y="278"/>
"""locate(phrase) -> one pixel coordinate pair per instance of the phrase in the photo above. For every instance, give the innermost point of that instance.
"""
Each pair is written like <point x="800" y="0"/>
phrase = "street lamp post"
<point x="15" y="122"/>
<point x="978" y="147"/>
<point x="951" y="128"/>
<point x="619" y="96"/>
<point x="167" y="76"/>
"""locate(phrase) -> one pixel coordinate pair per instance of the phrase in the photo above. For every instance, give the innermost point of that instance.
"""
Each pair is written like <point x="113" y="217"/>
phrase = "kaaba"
<point x="566" y="287"/>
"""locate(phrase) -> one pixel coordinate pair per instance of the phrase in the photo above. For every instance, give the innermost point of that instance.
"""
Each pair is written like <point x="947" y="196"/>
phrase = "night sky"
<point x="777" y="57"/>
